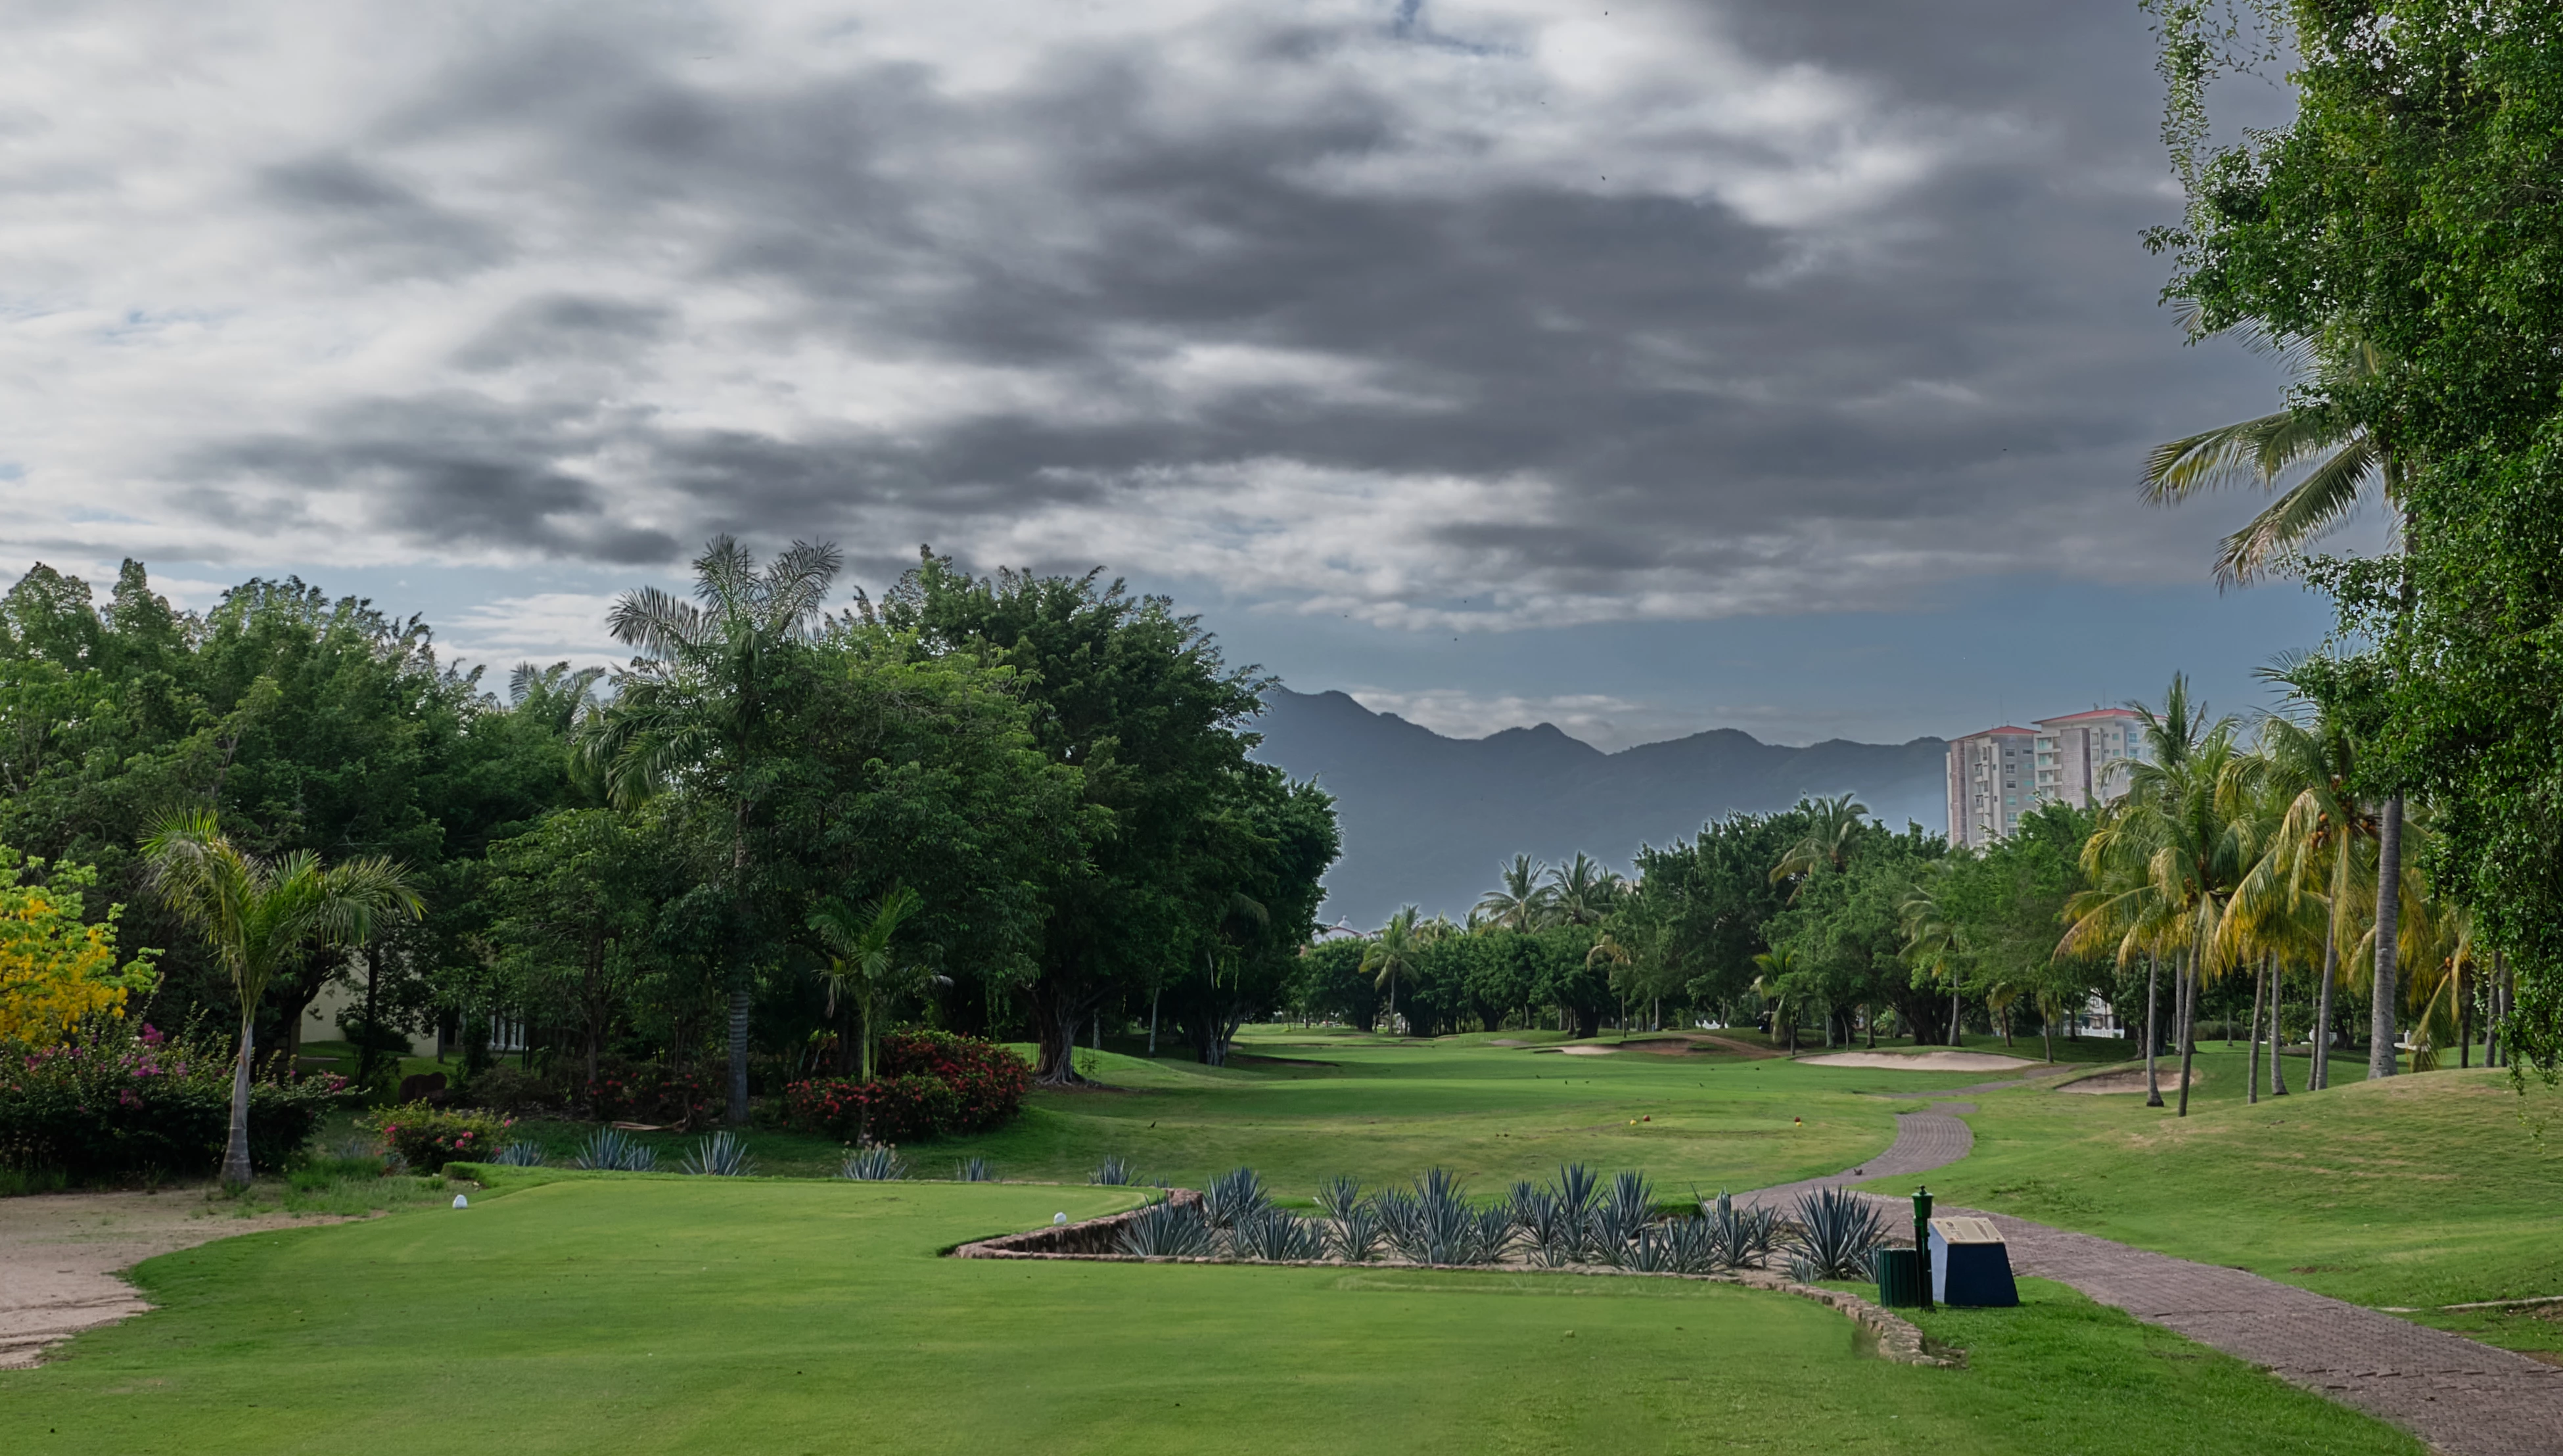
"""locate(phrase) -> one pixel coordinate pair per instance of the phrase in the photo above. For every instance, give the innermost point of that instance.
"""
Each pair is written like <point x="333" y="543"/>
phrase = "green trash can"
<point x="1899" y="1278"/>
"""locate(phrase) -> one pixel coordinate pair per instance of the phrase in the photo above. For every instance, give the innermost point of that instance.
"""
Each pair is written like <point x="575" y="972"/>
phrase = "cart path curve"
<point x="2462" y="1397"/>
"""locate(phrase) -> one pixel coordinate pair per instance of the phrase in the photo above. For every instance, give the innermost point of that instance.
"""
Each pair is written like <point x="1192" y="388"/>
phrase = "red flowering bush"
<point x="930" y="1084"/>
<point x="885" y="1110"/>
<point x="428" y="1137"/>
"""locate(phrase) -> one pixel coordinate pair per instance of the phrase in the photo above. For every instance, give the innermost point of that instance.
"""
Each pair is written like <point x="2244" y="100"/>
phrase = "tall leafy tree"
<point x="706" y="703"/>
<point x="1523" y="898"/>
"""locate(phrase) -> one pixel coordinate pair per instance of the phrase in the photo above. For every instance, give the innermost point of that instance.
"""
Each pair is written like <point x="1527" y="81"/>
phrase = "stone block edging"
<point x="1098" y="1241"/>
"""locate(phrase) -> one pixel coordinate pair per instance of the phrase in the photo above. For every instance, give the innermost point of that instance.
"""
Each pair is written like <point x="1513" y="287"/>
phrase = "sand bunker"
<point x="1924" y="1061"/>
<point x="2168" y="1078"/>
<point x="1588" y="1051"/>
<point x="58" y="1253"/>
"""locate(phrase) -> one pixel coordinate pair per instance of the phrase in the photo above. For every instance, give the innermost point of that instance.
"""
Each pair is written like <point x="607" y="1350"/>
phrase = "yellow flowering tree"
<point x="56" y="970"/>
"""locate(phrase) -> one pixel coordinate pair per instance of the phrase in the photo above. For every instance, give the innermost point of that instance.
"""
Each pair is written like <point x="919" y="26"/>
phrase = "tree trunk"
<point x="2319" y="1076"/>
<point x="2493" y="1013"/>
<point x="2389" y="920"/>
<point x="1956" y="1030"/>
<point x="2188" y="1025"/>
<point x="1056" y="1018"/>
<point x="367" y="1056"/>
<point x="236" y="1170"/>
<point x="1872" y="1009"/>
<point x="739" y="1057"/>
<point x="2465" y="1018"/>
<point x="2154" y="1042"/>
<point x="2277" y="1027"/>
<point x="1155" y="995"/>
<point x="2259" y="998"/>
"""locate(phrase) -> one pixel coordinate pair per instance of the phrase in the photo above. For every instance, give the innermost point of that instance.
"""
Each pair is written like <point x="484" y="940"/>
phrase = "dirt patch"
<point x="1924" y="1061"/>
<point x="2134" y="1080"/>
<point x="60" y="1254"/>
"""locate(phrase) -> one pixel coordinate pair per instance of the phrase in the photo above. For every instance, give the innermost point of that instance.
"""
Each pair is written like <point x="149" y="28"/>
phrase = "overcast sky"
<point x="1639" y="366"/>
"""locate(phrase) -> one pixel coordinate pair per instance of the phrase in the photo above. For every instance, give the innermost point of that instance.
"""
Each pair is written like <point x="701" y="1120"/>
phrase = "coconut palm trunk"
<point x="2319" y="1076"/>
<point x="2389" y="915"/>
<point x="2277" y="1027"/>
<point x="2259" y="999"/>
<point x="2188" y="1024"/>
<point x="2154" y="1042"/>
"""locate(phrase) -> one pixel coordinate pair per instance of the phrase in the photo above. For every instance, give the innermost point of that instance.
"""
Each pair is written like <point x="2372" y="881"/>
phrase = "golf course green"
<point x="570" y="1313"/>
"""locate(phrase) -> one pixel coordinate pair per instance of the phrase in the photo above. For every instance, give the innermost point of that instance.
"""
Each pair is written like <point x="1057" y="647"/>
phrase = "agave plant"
<point x="1551" y="1233"/>
<point x="614" y="1151"/>
<point x="1275" y="1236"/>
<point x="1167" y="1231"/>
<point x="1116" y="1172"/>
<point x="973" y="1169"/>
<point x="721" y="1154"/>
<point x="1233" y="1195"/>
<point x="521" y="1154"/>
<point x="1399" y="1217"/>
<point x="1443" y="1228"/>
<point x="1615" y="1221"/>
<point x="1339" y="1195"/>
<point x="1694" y="1245"/>
<point x="1837" y="1232"/>
<point x="1744" y="1235"/>
<point x="1651" y="1252"/>
<point x="879" y="1163"/>
<point x="1495" y="1236"/>
<point x="1355" y="1234"/>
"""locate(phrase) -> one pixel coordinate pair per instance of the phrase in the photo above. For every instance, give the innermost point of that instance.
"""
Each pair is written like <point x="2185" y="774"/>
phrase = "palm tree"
<point x="2347" y="460"/>
<point x="1395" y="949"/>
<point x="1581" y="891"/>
<point x="2340" y="460"/>
<point x="1608" y="951"/>
<point x="860" y="965"/>
<point x="2314" y="854"/>
<point x="1776" y="985"/>
<point x="2168" y="857"/>
<point x="1522" y="902"/>
<point x="696" y="708"/>
<point x="1930" y="937"/>
<point x="1833" y="827"/>
<point x="256" y="913"/>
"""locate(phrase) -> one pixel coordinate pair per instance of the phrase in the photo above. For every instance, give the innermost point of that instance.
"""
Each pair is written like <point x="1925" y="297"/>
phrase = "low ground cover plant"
<point x="115" y="1102"/>
<point x="930" y="1084"/>
<point x="1573" y="1219"/>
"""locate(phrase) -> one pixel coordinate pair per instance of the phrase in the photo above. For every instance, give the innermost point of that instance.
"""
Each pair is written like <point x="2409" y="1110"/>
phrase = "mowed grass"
<point x="2417" y="1192"/>
<point x="631" y="1314"/>
<point x="1302" y="1108"/>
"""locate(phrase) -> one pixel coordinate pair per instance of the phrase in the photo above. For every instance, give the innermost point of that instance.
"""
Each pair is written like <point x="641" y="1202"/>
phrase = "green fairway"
<point x="2417" y="1192"/>
<point x="613" y="1312"/>
<point x="1301" y="1109"/>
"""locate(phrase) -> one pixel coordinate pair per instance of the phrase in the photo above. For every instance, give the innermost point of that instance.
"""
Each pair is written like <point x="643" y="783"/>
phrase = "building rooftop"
<point x="1989" y="732"/>
<point x="2094" y="713"/>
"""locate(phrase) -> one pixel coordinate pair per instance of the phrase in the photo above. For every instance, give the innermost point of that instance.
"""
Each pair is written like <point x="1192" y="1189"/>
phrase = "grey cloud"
<point x="358" y="211"/>
<point x="1688" y="376"/>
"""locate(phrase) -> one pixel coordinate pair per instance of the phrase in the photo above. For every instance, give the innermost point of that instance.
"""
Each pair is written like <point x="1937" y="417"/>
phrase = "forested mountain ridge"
<point x="1427" y="818"/>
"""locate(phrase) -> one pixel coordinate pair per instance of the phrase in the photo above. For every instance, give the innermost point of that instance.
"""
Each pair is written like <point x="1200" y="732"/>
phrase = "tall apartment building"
<point x="2082" y="758"/>
<point x="1998" y="774"/>
<point x="1990" y="784"/>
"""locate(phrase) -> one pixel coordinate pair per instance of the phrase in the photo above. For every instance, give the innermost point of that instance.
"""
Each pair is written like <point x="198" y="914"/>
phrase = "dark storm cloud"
<point x="1161" y="263"/>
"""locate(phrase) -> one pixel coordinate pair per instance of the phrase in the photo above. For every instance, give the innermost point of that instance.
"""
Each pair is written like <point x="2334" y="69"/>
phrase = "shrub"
<point x="647" y="1092"/>
<point x="987" y="1080"/>
<point x="904" y="1109"/>
<point x="114" y="1103"/>
<point x="930" y="1084"/>
<point x="510" y="1090"/>
<point x="428" y="1137"/>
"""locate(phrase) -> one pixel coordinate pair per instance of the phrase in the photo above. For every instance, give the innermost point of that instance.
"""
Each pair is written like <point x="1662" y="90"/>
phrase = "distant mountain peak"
<point x="1428" y="819"/>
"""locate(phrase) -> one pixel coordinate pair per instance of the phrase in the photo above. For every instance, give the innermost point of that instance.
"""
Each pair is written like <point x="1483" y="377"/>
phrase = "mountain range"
<point x="1431" y="820"/>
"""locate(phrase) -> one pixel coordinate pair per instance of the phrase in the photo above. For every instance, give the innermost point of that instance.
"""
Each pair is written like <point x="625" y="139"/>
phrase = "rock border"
<point x="1097" y="1241"/>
